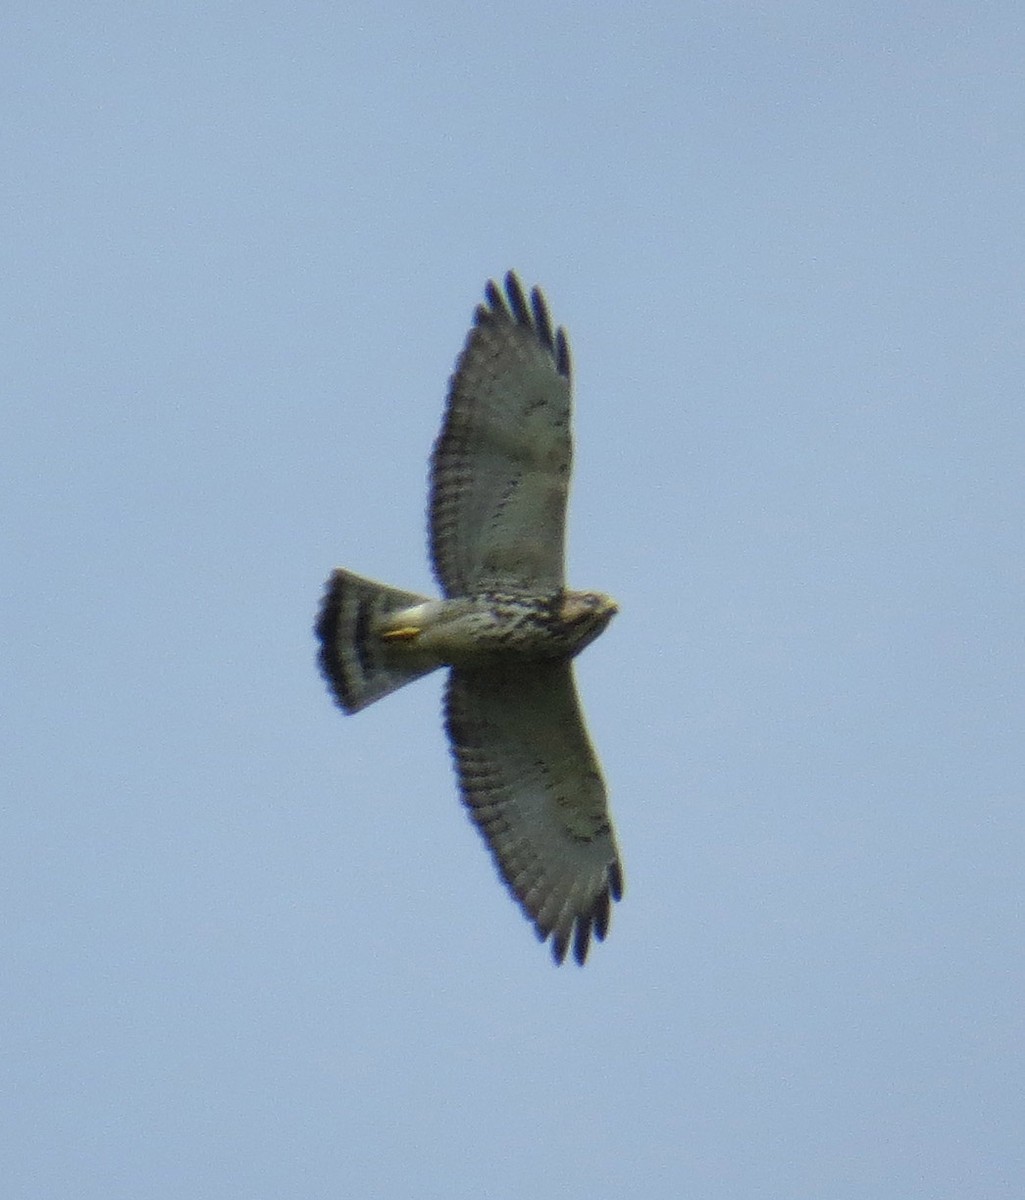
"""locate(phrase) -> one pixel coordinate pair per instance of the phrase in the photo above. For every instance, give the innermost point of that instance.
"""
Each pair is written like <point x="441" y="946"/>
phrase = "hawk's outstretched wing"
<point x="501" y="465"/>
<point x="532" y="783"/>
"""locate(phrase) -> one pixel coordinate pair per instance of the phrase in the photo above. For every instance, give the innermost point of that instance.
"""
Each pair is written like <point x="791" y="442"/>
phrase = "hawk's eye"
<point x="580" y="608"/>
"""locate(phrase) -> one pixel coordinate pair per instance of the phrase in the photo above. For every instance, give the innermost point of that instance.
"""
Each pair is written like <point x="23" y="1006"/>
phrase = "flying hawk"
<point x="508" y="627"/>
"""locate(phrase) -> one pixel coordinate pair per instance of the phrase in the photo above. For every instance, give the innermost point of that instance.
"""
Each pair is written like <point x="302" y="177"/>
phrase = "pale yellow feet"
<point x="405" y="634"/>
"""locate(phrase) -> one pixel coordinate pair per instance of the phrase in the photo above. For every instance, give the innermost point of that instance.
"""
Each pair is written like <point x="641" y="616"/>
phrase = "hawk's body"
<point x="508" y="627"/>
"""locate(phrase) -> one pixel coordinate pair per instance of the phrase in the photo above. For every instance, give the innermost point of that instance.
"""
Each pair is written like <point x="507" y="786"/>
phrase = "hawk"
<point x="508" y="628"/>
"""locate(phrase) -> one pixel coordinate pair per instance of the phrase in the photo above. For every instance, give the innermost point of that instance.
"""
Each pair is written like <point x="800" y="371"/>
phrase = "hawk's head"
<point x="584" y="615"/>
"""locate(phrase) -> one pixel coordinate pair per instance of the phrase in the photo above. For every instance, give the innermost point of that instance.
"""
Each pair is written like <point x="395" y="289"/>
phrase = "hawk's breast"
<point x="493" y="627"/>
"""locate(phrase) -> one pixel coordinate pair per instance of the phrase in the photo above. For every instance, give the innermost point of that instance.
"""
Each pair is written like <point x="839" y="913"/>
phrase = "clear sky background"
<point x="254" y="949"/>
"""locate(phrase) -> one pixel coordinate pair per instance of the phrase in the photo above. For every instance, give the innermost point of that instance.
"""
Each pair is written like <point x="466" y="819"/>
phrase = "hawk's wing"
<point x="501" y="465"/>
<point x="532" y="783"/>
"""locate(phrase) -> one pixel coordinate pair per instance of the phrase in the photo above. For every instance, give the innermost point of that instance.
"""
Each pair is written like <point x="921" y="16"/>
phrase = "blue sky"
<point x="254" y="948"/>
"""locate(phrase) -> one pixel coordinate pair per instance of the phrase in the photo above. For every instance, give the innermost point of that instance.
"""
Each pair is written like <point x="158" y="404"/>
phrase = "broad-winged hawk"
<point x="508" y="627"/>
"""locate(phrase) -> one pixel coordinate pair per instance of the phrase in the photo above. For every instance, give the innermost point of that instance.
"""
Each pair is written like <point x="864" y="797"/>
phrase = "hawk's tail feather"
<point x="359" y="667"/>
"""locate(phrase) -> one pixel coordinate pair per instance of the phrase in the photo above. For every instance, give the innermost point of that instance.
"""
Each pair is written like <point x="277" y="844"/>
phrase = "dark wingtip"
<point x="581" y="940"/>
<point x="596" y="921"/>
<point x="600" y="916"/>
<point x="517" y="301"/>
<point x="562" y="354"/>
<point x="542" y="321"/>
<point x="513" y="305"/>
<point x="495" y="299"/>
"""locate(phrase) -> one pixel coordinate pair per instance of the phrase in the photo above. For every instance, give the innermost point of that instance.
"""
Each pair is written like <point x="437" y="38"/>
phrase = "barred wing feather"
<point x="501" y="466"/>
<point x="532" y="783"/>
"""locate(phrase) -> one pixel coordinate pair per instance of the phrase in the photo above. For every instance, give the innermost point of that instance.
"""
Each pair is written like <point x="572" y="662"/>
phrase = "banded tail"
<point x="360" y="667"/>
